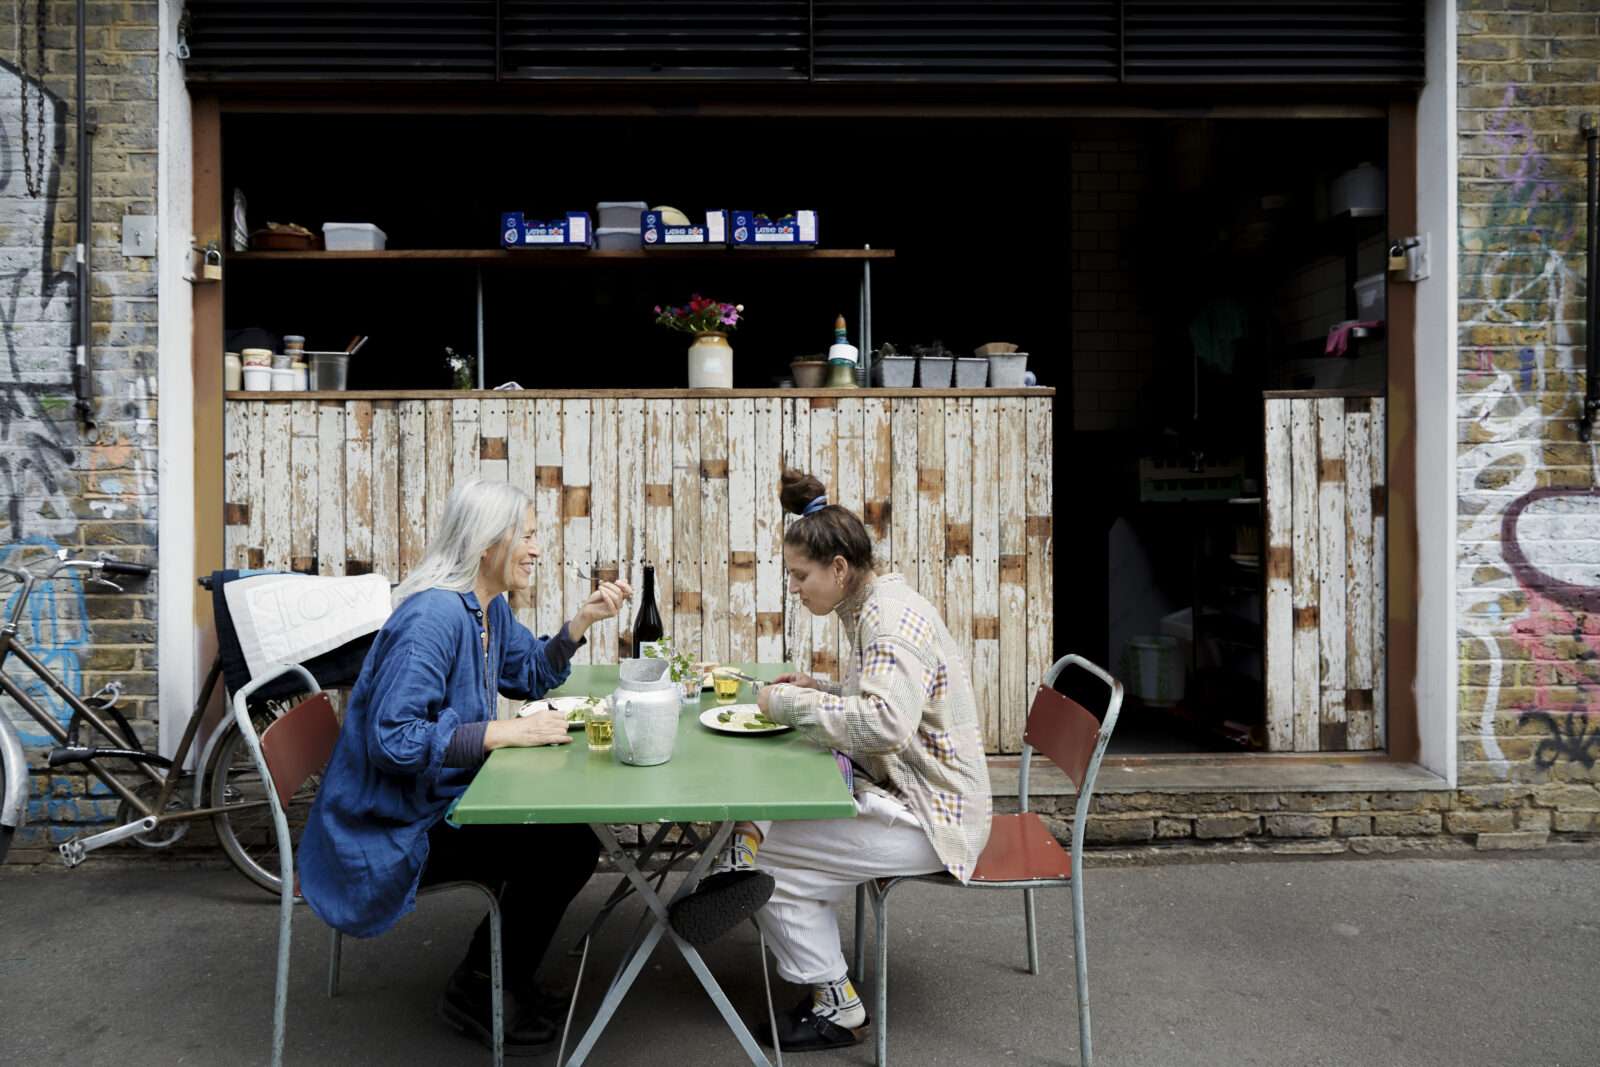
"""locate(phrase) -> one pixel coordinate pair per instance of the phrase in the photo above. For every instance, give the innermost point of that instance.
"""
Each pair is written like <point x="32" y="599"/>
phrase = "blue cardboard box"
<point x="657" y="234"/>
<point x="798" y="229"/>
<point x="574" y="231"/>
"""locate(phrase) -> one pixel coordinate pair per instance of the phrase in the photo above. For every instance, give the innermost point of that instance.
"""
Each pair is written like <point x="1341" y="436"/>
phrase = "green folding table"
<point x="712" y="778"/>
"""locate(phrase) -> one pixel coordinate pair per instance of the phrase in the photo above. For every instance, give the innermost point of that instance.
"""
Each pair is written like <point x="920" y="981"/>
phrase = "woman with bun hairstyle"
<point x="904" y="723"/>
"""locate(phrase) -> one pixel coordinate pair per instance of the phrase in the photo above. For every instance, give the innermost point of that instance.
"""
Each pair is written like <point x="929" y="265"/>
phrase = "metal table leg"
<point x="659" y="929"/>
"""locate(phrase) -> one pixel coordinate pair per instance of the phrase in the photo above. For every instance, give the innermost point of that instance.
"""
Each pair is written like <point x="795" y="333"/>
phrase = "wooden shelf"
<point x="564" y="257"/>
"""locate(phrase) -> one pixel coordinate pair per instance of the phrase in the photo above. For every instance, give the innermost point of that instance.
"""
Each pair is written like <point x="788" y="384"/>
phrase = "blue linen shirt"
<point x="366" y="839"/>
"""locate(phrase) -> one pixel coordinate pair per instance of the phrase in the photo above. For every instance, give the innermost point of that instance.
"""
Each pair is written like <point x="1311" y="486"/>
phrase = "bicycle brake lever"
<point x="108" y="583"/>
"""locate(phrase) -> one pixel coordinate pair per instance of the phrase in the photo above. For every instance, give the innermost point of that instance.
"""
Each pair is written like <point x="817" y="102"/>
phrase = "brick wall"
<point x="62" y="483"/>
<point x="1529" y="596"/>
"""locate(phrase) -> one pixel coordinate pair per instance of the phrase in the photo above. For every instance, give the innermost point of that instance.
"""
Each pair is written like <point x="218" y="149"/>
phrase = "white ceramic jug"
<point x="644" y="713"/>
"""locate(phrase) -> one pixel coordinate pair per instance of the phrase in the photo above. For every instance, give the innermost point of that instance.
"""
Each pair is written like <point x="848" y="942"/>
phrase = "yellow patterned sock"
<point x="837" y="1002"/>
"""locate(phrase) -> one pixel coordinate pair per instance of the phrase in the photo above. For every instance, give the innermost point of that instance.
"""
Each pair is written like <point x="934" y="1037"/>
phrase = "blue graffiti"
<point x="1525" y="357"/>
<point x="55" y="636"/>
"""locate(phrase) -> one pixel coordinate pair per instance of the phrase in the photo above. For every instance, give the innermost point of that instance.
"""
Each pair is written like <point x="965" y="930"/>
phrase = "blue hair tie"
<point x="816" y="505"/>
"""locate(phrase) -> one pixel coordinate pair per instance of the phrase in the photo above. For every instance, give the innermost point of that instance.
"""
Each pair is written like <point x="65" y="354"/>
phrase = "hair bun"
<point x="798" y="490"/>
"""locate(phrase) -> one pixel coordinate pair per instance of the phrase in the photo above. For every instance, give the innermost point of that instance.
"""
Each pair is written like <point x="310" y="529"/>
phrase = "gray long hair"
<point x="478" y="515"/>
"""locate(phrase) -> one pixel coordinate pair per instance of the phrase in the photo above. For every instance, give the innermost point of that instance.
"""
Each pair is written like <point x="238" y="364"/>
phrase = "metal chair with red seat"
<point x="1022" y="853"/>
<point x="297" y="745"/>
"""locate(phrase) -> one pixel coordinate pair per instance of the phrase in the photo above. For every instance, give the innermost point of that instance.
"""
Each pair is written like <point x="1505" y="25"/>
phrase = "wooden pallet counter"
<point x="954" y="485"/>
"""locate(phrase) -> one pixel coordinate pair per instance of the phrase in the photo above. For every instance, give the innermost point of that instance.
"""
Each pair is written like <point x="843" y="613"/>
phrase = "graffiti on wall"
<point x="1529" y="506"/>
<point x="39" y="443"/>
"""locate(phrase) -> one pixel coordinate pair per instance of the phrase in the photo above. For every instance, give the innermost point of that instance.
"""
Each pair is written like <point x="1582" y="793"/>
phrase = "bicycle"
<point x="159" y="798"/>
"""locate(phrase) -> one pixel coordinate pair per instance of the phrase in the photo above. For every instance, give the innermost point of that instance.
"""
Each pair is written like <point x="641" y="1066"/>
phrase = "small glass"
<point x="727" y="688"/>
<point x="597" y="728"/>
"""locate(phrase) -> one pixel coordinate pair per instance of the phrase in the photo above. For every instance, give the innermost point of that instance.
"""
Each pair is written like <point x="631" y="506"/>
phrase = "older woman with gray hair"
<point x="419" y="724"/>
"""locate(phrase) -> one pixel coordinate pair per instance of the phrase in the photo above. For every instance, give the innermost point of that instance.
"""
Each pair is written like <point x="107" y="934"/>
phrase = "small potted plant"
<point x="892" y="369"/>
<point x="680" y="668"/>
<point x="710" y="357"/>
<point x="463" y="369"/>
<point x="935" y="364"/>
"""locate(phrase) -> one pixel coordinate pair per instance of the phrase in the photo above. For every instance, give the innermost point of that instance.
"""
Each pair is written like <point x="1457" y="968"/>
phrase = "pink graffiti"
<point x="1521" y="162"/>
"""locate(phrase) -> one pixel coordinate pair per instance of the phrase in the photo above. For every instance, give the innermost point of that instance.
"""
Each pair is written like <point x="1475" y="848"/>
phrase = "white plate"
<point x="740" y="714"/>
<point x="563" y="706"/>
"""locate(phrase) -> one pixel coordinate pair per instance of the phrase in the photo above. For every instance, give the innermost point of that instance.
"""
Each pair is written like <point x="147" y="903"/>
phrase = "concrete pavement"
<point x="1489" y="961"/>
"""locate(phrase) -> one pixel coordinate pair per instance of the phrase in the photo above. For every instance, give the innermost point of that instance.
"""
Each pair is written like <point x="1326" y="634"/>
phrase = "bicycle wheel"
<point x="247" y="834"/>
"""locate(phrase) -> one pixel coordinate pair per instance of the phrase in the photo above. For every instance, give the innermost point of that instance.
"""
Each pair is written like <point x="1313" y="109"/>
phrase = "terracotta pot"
<point x="809" y="373"/>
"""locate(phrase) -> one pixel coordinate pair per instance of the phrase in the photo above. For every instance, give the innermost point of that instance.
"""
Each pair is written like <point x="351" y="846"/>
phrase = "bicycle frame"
<point x="167" y="781"/>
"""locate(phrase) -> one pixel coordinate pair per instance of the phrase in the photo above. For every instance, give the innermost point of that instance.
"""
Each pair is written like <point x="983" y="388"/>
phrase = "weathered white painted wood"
<point x="1333" y="731"/>
<point x="255" y="455"/>
<point x="303" y="482"/>
<point x="1038" y="529"/>
<point x="986" y="571"/>
<point x="797" y="455"/>
<point x="492" y="464"/>
<point x="768" y="530"/>
<point x="741" y="437"/>
<point x="385" y="490"/>
<point x="358" y="486"/>
<point x="659" y="518"/>
<point x="1358" y="635"/>
<point x="824" y="467"/>
<point x="877" y="464"/>
<point x="522" y="472"/>
<point x="1279" y="562"/>
<point x="408" y="454"/>
<point x="576" y="513"/>
<point x="440" y="422"/>
<point x="850" y="491"/>
<point x="237" y="498"/>
<point x="903" y="523"/>
<point x="465" y="462"/>
<point x="603" y="468"/>
<point x="958" y="524"/>
<point x="1380" y="572"/>
<point x="714" y="550"/>
<point x="686" y="532"/>
<point x="277" y="509"/>
<point x="1307" y="564"/>
<point x="550" y="592"/>
<point x="330" y="489"/>
<point x="413" y="504"/>
<point x="1014" y="696"/>
<point x="631" y="514"/>
<point x="930" y="501"/>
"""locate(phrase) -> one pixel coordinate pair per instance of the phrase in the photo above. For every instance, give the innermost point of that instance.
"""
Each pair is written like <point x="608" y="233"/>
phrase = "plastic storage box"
<point x="618" y="238"/>
<point x="353" y="237"/>
<point x="619" y="214"/>
<point x="795" y="230"/>
<point x="574" y="231"/>
<point x="657" y="234"/>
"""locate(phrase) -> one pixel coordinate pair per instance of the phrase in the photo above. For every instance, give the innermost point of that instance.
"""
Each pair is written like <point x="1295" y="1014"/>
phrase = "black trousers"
<point x="537" y="870"/>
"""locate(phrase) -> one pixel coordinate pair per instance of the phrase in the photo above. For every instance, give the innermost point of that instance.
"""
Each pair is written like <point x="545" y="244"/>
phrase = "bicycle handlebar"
<point x="132" y="570"/>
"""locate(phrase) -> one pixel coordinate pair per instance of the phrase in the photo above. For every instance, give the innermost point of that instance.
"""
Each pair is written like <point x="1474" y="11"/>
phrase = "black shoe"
<point x="720" y="902"/>
<point x="466" y="1004"/>
<point x="803" y="1031"/>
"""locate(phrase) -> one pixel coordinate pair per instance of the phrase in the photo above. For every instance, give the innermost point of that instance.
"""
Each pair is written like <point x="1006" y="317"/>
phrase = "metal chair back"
<point x="299" y="744"/>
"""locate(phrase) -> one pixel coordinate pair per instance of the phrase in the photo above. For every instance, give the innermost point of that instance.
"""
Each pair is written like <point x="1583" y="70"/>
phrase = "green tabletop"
<point x="711" y="777"/>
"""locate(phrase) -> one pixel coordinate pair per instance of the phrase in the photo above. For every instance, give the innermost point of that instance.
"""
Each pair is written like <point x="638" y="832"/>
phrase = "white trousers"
<point x="817" y="865"/>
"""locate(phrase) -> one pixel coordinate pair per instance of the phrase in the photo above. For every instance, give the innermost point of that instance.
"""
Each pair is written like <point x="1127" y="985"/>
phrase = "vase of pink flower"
<point x="710" y="355"/>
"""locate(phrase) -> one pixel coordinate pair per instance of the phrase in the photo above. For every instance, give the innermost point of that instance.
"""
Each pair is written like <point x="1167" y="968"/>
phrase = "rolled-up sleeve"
<point x="411" y="724"/>
<point x="880" y="720"/>
<point x="532" y="666"/>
